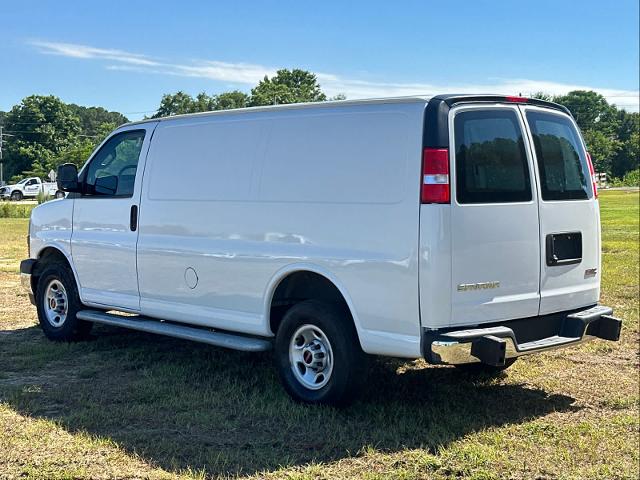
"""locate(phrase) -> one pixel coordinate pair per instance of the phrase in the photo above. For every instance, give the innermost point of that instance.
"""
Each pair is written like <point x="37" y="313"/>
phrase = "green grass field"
<point x="131" y="405"/>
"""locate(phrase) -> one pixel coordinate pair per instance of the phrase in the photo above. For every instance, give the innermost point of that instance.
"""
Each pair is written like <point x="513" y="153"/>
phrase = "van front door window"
<point x="113" y="169"/>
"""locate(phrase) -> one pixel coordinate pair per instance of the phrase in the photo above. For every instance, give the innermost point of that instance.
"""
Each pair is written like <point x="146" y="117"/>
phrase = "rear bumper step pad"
<point x="496" y="343"/>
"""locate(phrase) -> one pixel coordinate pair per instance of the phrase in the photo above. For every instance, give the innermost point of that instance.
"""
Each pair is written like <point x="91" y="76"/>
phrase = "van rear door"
<point x="568" y="211"/>
<point x="495" y="254"/>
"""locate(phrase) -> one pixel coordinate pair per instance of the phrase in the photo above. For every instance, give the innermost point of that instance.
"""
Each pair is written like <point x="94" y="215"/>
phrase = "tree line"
<point x="612" y="135"/>
<point x="46" y="132"/>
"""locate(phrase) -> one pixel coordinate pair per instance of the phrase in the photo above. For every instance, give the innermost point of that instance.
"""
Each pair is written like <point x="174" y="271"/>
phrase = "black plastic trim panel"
<point x="26" y="266"/>
<point x="436" y="117"/>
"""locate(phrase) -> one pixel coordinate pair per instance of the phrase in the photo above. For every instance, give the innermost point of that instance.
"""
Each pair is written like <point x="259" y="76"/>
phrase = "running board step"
<point x="149" y="325"/>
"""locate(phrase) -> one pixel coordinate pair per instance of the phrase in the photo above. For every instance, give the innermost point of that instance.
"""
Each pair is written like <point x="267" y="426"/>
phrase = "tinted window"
<point x="561" y="159"/>
<point x="491" y="163"/>
<point x="115" y="165"/>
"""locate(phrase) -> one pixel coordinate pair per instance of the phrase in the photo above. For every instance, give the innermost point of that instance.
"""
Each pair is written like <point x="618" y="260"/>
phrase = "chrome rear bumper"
<point x="495" y="343"/>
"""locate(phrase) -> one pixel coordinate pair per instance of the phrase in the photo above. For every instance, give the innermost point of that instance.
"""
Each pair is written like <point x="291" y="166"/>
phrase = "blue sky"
<point x="125" y="55"/>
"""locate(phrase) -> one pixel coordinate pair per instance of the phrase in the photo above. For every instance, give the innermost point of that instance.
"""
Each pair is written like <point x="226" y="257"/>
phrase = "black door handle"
<point x="133" y="218"/>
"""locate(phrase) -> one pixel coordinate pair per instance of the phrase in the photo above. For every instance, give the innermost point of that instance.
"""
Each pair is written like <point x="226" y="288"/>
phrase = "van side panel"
<point x="238" y="199"/>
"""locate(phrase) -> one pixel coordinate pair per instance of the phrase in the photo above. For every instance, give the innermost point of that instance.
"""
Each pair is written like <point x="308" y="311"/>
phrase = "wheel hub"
<point x="314" y="356"/>
<point x="311" y="357"/>
<point x="55" y="303"/>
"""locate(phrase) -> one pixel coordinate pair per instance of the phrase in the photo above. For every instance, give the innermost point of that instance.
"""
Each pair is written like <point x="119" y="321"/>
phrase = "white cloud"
<point x="82" y="51"/>
<point x="245" y="74"/>
<point x="628" y="99"/>
<point x="227" y="72"/>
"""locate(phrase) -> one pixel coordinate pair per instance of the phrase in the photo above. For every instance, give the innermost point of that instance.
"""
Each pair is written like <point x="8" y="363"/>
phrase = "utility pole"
<point x="2" y="135"/>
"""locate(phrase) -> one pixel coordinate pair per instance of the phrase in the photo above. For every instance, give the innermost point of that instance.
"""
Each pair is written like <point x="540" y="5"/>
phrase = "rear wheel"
<point x="58" y="302"/>
<point x="59" y="194"/>
<point x="484" y="369"/>
<point x="16" y="196"/>
<point x="318" y="356"/>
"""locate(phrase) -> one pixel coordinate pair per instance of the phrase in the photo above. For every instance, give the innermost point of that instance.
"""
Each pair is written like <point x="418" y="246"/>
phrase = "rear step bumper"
<point x="493" y="344"/>
<point x="195" y="334"/>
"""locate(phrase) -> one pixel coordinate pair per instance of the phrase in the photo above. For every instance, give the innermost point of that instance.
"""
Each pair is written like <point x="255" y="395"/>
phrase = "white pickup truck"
<point x="30" y="188"/>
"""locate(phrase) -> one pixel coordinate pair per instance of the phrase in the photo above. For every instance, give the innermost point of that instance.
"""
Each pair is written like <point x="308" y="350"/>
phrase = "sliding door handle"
<point x="133" y="218"/>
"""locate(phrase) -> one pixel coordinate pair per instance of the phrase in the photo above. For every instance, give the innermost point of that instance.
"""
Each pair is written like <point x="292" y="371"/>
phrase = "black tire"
<point x="59" y="194"/>
<point x="484" y="369"/>
<point x="70" y="329"/>
<point x="350" y="363"/>
<point x="17" y="196"/>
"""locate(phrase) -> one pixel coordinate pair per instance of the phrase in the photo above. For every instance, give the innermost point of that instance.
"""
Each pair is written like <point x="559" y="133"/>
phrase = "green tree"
<point x="180" y="103"/>
<point x="230" y="100"/>
<point x="287" y="86"/>
<point x="602" y="148"/>
<point x="42" y="127"/>
<point x="34" y="156"/>
<point x="203" y="103"/>
<point x="175" y="104"/>
<point x="610" y="134"/>
<point x="78" y="152"/>
<point x="628" y="134"/>
<point x="590" y="110"/>
<point x="92" y="118"/>
<point x="628" y="157"/>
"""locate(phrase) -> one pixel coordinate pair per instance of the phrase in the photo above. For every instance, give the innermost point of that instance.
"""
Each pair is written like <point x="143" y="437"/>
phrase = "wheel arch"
<point x="48" y="254"/>
<point x="281" y="283"/>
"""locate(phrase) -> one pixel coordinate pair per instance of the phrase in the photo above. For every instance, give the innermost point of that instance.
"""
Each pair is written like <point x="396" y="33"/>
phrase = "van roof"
<point x="448" y="99"/>
<point x="290" y="106"/>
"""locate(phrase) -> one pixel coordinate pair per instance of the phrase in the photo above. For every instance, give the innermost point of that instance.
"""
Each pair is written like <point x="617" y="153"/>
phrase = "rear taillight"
<point x="516" y="99"/>
<point x="435" y="176"/>
<point x="592" y="172"/>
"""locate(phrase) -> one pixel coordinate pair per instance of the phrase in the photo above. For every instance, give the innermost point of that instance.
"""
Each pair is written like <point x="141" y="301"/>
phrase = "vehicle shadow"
<point x="181" y="405"/>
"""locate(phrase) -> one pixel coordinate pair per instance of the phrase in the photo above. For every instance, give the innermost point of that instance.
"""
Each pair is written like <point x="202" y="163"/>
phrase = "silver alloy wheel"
<point x="311" y="357"/>
<point x="55" y="303"/>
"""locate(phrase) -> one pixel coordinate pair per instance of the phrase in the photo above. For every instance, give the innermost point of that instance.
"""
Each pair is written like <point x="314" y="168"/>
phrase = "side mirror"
<point x="107" y="185"/>
<point x="67" y="178"/>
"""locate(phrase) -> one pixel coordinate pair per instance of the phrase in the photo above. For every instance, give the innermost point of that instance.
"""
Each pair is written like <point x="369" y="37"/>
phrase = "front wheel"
<point x="318" y="355"/>
<point x="57" y="301"/>
<point x="16" y="196"/>
<point x="59" y="194"/>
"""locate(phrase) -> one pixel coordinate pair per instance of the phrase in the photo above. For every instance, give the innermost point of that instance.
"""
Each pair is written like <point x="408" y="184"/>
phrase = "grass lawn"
<point x="131" y="405"/>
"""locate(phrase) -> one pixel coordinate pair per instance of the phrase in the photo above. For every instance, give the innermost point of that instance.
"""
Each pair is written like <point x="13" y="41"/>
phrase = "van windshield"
<point x="561" y="159"/>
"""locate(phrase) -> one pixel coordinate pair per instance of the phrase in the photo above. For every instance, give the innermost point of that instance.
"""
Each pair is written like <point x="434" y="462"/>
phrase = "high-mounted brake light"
<point x="592" y="172"/>
<point x="435" y="176"/>
<point x="516" y="99"/>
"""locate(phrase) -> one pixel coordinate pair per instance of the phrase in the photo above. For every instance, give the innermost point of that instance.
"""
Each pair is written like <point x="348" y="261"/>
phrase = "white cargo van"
<point x="461" y="229"/>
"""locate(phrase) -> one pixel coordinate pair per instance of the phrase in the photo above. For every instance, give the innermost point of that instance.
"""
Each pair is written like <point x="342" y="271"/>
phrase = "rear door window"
<point x="561" y="159"/>
<point x="491" y="162"/>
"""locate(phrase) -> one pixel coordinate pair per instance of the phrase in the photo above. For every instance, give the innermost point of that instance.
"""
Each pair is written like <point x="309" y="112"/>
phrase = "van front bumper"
<point x="494" y="343"/>
<point x="26" y="268"/>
